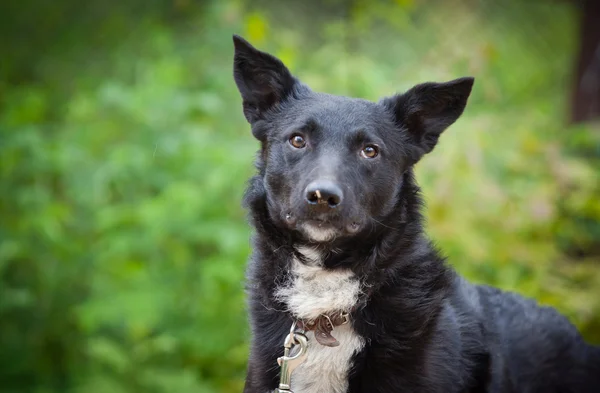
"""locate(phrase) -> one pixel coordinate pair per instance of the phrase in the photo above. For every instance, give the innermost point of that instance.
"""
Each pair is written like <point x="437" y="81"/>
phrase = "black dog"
<point x="339" y="249"/>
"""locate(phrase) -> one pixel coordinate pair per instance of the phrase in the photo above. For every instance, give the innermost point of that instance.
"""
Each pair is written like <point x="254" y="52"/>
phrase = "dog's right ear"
<point x="426" y="110"/>
<point x="263" y="80"/>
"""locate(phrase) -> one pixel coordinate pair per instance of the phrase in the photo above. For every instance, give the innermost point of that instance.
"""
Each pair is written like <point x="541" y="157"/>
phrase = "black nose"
<point x="324" y="193"/>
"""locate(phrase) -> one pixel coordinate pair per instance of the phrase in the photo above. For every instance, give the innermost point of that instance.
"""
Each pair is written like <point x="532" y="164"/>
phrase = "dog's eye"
<point x="369" y="151"/>
<point x="297" y="141"/>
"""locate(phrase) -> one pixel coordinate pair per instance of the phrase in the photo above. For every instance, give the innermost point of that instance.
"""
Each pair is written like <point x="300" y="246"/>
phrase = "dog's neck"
<point x="403" y="271"/>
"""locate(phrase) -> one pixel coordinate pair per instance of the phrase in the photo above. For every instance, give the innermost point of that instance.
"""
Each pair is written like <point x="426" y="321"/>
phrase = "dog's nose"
<point x="324" y="193"/>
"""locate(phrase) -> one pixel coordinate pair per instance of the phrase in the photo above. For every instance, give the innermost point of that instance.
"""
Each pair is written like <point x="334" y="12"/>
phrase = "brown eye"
<point x="297" y="141"/>
<point x="369" y="151"/>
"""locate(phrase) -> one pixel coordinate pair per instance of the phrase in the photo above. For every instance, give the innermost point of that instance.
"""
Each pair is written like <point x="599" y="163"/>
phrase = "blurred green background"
<point x="124" y="155"/>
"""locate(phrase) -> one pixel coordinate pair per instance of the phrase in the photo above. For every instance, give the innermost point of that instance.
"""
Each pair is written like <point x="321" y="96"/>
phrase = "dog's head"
<point x="332" y="166"/>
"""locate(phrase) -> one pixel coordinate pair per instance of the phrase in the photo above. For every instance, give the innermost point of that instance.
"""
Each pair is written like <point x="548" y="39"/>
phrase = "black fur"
<point x="426" y="328"/>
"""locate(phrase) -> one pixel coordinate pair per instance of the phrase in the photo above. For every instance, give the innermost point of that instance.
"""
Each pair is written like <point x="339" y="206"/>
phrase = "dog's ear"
<point x="262" y="79"/>
<point x="426" y="110"/>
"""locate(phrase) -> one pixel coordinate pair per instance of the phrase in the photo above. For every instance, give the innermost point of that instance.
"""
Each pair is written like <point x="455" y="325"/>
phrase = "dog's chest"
<point x="325" y="369"/>
<point x="313" y="291"/>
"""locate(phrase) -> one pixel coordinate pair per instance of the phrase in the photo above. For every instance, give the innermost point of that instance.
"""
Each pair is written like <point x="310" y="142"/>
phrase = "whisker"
<point x="380" y="223"/>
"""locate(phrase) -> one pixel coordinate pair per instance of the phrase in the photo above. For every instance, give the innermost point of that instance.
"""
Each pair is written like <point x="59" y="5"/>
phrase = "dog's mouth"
<point x="323" y="230"/>
<point x="321" y="224"/>
<point x="319" y="230"/>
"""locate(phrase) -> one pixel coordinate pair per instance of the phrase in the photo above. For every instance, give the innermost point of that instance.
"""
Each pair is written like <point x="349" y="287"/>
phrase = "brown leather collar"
<point x="323" y="325"/>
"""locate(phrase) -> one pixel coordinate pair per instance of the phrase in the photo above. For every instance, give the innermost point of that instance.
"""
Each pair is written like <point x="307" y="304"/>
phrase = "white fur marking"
<point x="314" y="291"/>
<point x="311" y="292"/>
<point x="319" y="234"/>
<point x="325" y="369"/>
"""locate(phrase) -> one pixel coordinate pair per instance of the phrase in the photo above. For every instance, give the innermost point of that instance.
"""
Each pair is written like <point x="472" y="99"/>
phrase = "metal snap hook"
<point x="289" y="363"/>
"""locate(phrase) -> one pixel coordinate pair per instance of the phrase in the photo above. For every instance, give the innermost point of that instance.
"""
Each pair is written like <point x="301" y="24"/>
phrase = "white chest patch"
<point x="311" y="292"/>
<point x="325" y="369"/>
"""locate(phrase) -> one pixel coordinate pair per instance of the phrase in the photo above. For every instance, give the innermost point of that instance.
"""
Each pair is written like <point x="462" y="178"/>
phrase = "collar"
<point x="323" y="325"/>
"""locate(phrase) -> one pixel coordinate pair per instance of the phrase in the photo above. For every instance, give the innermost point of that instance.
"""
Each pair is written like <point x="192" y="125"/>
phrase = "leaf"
<point x="106" y="351"/>
<point x="256" y="28"/>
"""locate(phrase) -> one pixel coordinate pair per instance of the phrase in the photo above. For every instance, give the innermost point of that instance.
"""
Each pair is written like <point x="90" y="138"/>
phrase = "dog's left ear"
<point x="262" y="79"/>
<point x="426" y="110"/>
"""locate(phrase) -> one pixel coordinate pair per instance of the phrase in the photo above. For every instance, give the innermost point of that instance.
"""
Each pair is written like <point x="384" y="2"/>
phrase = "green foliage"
<point x="124" y="154"/>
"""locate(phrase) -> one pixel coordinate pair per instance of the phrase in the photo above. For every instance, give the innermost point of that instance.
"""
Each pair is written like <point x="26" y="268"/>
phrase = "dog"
<point x="340" y="256"/>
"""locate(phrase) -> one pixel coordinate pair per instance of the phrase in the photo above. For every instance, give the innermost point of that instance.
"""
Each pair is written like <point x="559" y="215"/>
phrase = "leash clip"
<point x="289" y="363"/>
